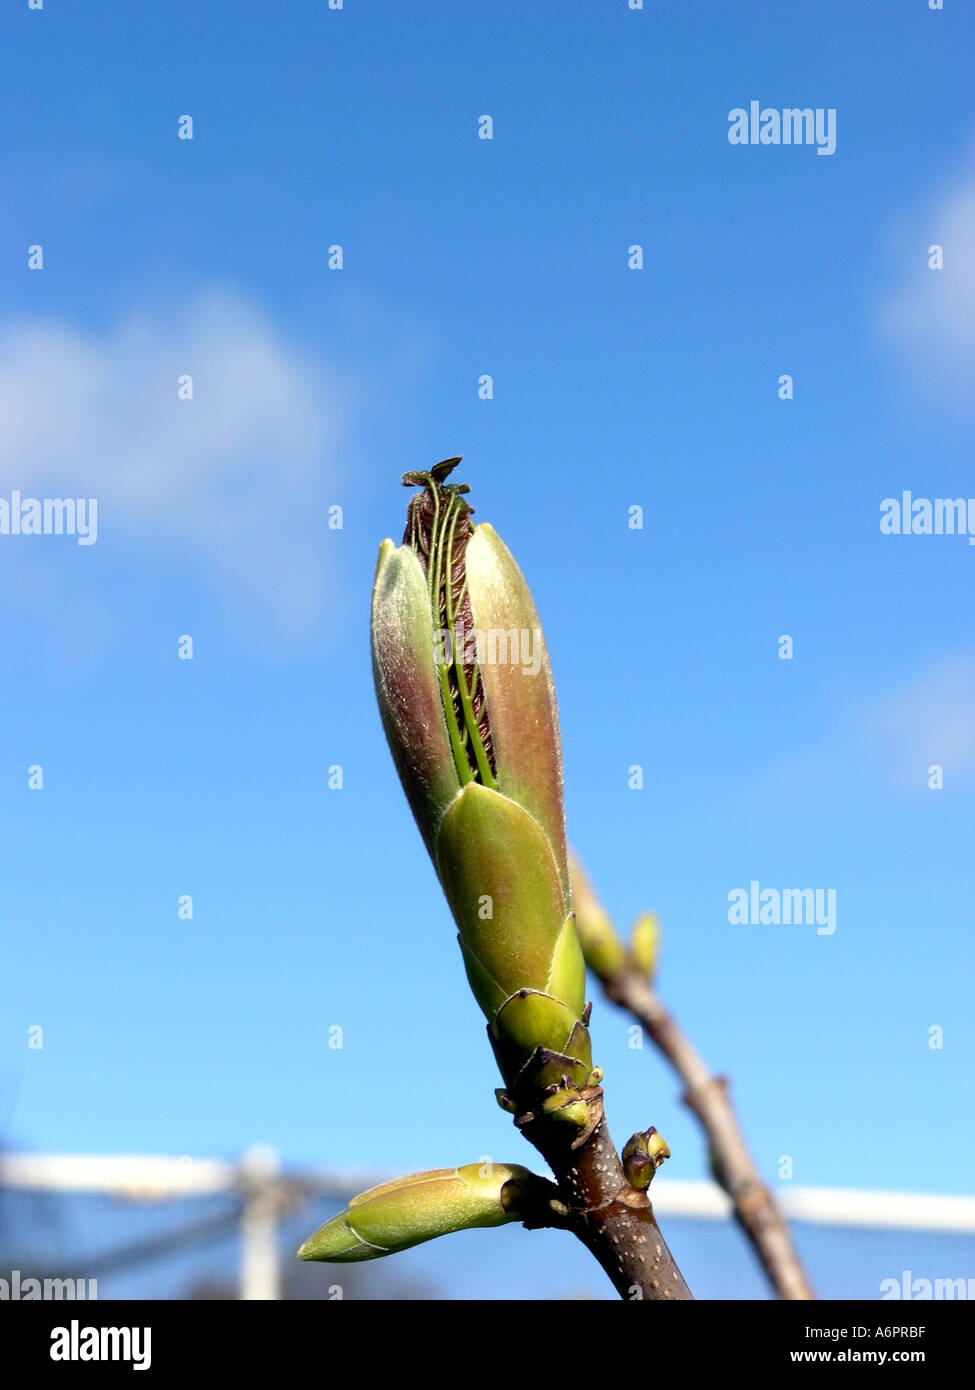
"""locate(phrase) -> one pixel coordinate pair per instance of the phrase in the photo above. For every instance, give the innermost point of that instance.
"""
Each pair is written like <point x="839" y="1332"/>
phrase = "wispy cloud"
<point x="235" y="482"/>
<point x="928" y="317"/>
<point x="930" y="719"/>
<point x="885" y="741"/>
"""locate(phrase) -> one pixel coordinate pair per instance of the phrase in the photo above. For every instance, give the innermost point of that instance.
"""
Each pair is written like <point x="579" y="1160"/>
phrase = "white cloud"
<point x="234" y="484"/>
<point x="929" y="317"/>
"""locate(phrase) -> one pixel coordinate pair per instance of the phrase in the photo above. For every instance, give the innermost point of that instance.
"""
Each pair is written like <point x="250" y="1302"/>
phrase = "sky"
<point x="248" y="518"/>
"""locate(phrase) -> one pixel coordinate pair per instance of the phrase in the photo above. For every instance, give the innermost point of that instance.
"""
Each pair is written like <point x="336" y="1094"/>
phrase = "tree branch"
<point x="626" y="976"/>
<point x="614" y="1220"/>
<point x="708" y="1096"/>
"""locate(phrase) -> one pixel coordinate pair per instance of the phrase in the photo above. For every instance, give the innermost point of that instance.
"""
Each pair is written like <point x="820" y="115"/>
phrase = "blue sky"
<point x="612" y="388"/>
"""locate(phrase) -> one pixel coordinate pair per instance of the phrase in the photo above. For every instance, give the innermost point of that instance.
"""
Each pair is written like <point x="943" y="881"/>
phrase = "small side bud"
<point x="604" y="951"/>
<point x="642" y="1155"/>
<point x="645" y="943"/>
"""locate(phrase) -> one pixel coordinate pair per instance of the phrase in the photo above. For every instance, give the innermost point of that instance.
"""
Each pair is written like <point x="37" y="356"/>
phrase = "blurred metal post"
<point x="260" y="1261"/>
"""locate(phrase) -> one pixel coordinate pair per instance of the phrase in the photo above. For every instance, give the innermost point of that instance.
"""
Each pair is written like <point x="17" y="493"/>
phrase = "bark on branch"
<point x="614" y="1220"/>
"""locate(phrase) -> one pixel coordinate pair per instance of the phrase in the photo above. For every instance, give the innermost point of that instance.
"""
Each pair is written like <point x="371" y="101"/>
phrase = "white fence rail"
<point x="267" y="1193"/>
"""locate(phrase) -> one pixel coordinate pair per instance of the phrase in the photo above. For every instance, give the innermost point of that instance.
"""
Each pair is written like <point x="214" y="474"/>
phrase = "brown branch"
<point x="626" y="980"/>
<point x="614" y="1220"/>
<point x="708" y="1096"/>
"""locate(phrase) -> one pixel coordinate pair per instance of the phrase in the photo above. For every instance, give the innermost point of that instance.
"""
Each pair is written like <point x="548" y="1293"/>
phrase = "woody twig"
<point x="627" y="974"/>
